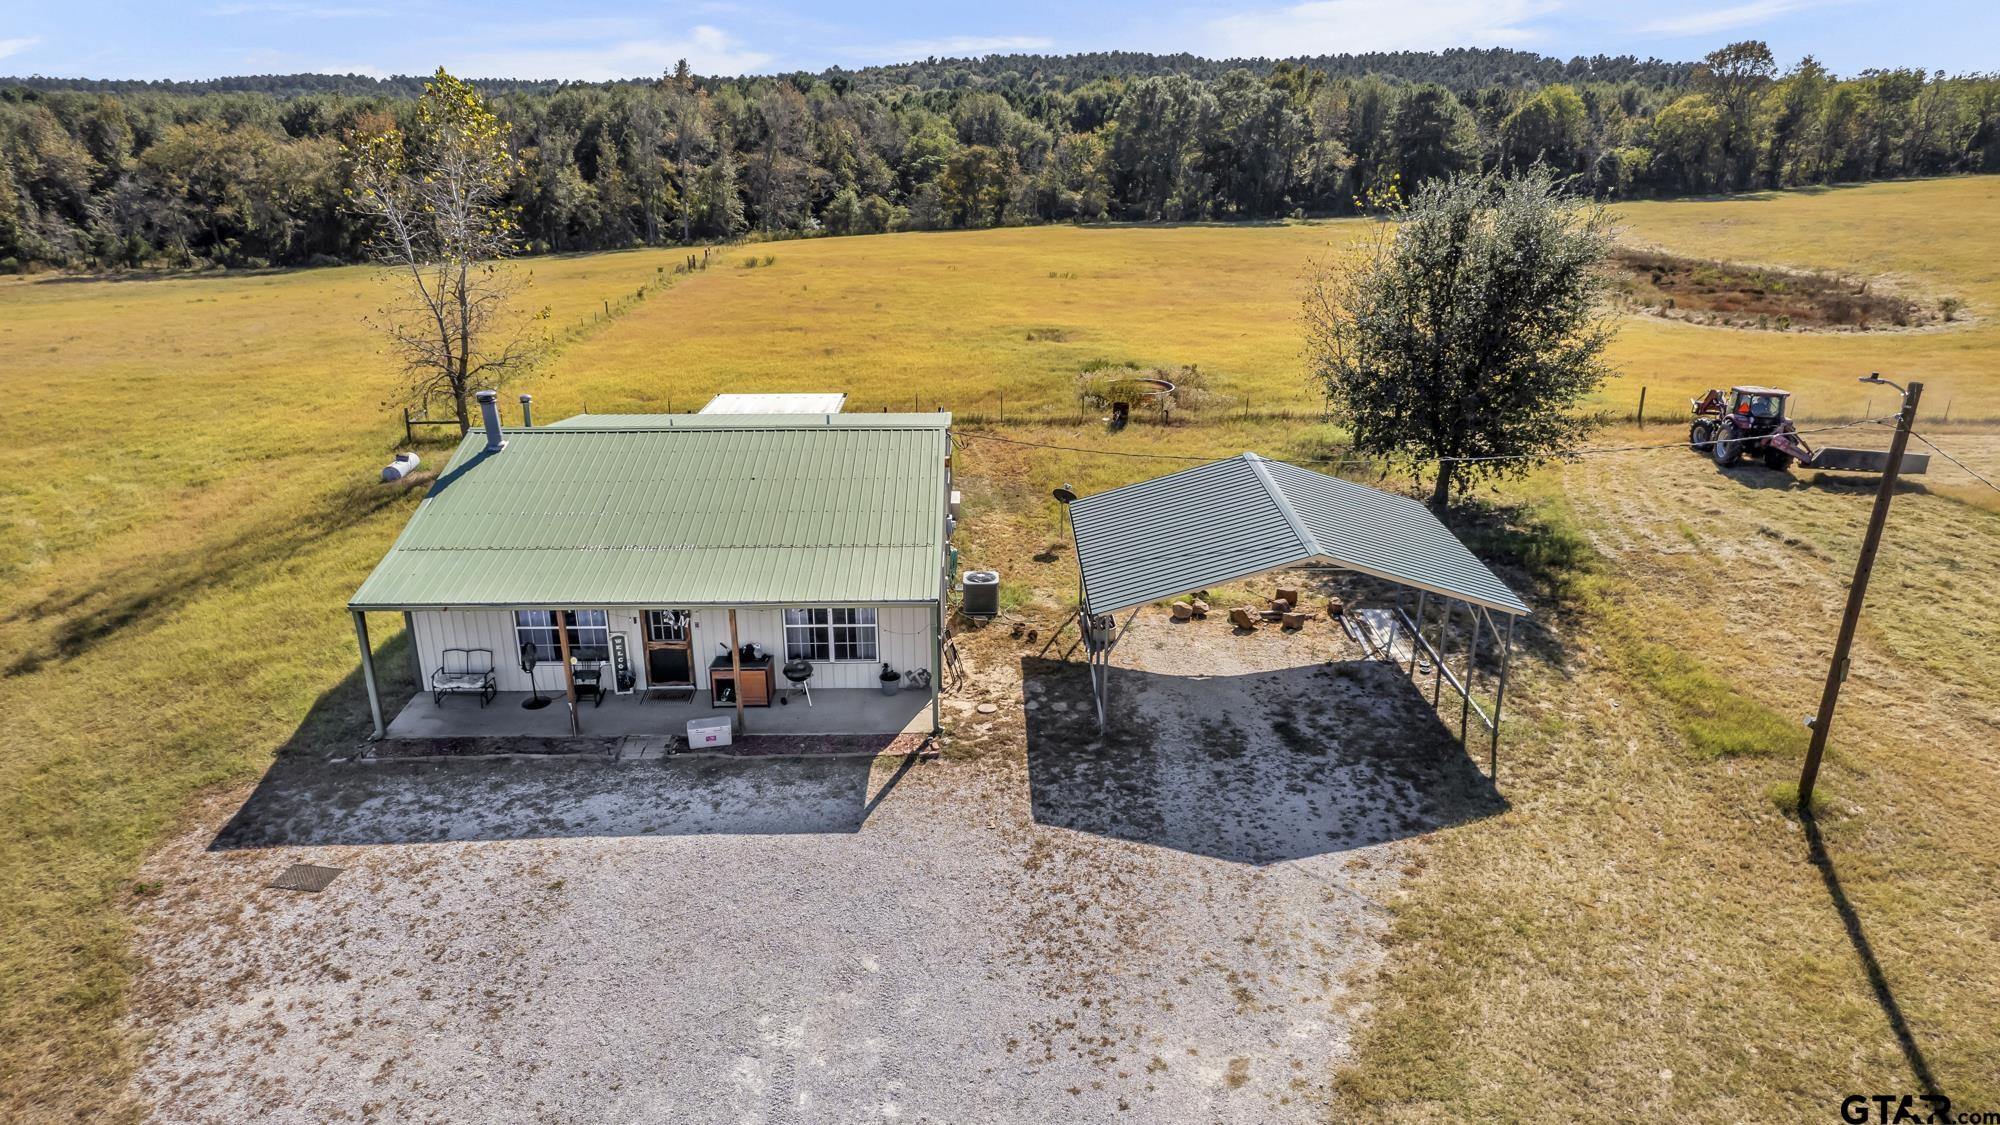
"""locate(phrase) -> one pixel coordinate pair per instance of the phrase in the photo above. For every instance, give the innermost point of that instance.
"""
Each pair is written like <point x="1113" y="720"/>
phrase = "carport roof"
<point x="1245" y="515"/>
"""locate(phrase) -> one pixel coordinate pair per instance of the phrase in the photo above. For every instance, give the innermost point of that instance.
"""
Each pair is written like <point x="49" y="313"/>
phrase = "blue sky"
<point x="505" y="38"/>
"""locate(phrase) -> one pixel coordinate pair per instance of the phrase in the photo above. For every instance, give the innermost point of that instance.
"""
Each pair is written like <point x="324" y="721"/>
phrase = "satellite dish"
<point x="1065" y="495"/>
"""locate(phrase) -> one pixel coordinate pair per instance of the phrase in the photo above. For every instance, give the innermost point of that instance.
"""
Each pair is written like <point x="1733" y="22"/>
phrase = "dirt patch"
<point x="1734" y="295"/>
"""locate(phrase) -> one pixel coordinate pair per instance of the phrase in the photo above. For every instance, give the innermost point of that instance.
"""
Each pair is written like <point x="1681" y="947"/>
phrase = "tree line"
<point x="250" y="172"/>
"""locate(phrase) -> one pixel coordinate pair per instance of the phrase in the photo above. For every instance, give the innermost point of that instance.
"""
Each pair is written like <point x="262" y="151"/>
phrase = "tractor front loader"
<point x="1751" y="422"/>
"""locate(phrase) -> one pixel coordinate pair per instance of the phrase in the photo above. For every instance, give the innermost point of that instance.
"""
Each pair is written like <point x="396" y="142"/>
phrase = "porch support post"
<point x="569" y="674"/>
<point x="1500" y="700"/>
<point x="736" y="669"/>
<point x="368" y="674"/>
<point x="416" y="658"/>
<point x="937" y="667"/>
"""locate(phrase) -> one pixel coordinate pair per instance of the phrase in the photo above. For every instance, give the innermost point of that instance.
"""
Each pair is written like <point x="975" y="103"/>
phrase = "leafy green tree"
<point x="1798" y="105"/>
<point x="1552" y="127"/>
<point x="435" y="195"/>
<point x="1470" y="330"/>
<point x="1688" y="138"/>
<point x="1734" y="77"/>
<point x="1432" y="136"/>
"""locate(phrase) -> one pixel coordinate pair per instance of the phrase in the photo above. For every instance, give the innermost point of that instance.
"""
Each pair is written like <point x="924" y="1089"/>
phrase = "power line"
<point x="1421" y="461"/>
<point x="1962" y="465"/>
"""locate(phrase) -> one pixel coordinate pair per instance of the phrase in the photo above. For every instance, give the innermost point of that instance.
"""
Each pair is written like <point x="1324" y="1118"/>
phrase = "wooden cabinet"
<point x="756" y="685"/>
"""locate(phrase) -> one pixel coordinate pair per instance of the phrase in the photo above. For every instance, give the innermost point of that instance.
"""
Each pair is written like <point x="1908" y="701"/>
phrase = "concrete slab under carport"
<point x="833" y="712"/>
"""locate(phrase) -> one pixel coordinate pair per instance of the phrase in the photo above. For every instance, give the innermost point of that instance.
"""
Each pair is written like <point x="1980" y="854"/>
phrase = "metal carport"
<point x="1232" y="519"/>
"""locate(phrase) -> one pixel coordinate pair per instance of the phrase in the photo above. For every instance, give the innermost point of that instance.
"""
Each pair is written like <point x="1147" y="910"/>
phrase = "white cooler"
<point x="708" y="732"/>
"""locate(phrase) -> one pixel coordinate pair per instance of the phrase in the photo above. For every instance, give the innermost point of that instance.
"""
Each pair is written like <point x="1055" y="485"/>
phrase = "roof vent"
<point x="489" y="409"/>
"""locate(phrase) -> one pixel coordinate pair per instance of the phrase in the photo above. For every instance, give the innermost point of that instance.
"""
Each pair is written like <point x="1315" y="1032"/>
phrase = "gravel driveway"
<point x="1162" y="926"/>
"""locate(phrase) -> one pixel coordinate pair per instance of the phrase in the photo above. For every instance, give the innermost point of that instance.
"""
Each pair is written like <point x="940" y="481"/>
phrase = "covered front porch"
<point x="834" y="711"/>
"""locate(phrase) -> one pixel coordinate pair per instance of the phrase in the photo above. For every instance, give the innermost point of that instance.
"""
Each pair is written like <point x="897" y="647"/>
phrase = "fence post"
<point x="407" y="438"/>
<point x="1642" y="407"/>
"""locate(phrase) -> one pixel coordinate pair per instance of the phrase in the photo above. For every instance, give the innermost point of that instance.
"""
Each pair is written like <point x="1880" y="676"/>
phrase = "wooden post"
<point x="409" y="437"/>
<point x="736" y="669"/>
<point x="1857" y="592"/>
<point x="1642" y="408"/>
<point x="569" y="674"/>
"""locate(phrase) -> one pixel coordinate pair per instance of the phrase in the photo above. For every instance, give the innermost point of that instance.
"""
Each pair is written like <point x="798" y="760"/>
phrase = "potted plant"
<point x="891" y="680"/>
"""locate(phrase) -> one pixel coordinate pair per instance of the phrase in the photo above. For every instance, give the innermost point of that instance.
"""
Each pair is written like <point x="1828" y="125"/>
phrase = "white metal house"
<point x="628" y="550"/>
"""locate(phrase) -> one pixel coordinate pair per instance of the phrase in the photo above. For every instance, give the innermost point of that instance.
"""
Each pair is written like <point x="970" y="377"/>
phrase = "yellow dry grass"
<point x="946" y="318"/>
<point x="185" y="504"/>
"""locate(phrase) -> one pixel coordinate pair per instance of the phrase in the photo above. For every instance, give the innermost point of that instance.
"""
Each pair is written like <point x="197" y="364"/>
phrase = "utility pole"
<point x="1857" y="592"/>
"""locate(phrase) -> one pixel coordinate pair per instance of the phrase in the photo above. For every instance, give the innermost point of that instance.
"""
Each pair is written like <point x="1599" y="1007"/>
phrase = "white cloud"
<point x="1723" y="19"/>
<point x="708" y="50"/>
<point x="16" y="46"/>
<point x="956" y="46"/>
<point x="1323" y="27"/>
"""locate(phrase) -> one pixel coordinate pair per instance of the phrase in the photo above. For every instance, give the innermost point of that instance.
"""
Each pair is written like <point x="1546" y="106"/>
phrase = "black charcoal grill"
<point x="799" y="674"/>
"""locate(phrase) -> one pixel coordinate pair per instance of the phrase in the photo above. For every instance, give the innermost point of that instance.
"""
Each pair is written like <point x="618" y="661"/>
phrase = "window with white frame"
<point x="830" y="635"/>
<point x="589" y="633"/>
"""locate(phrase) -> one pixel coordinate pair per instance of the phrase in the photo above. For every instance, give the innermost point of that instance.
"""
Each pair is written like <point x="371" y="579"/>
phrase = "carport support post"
<point x="1500" y="700"/>
<point x="1423" y="598"/>
<point x="368" y="673"/>
<point x="1471" y="666"/>
<point x="1444" y="637"/>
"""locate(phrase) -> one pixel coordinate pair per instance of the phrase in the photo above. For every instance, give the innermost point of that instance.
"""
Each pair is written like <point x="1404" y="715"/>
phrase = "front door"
<point x="669" y="648"/>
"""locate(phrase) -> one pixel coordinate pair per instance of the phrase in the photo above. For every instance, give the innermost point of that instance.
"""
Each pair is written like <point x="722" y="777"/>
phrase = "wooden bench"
<point x="464" y="671"/>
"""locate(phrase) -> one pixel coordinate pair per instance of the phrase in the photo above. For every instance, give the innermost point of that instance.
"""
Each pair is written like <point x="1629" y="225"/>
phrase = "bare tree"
<point x="435" y="195"/>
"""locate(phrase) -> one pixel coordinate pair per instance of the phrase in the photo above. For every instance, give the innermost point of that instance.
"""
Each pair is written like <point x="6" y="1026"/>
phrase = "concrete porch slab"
<point x="833" y="712"/>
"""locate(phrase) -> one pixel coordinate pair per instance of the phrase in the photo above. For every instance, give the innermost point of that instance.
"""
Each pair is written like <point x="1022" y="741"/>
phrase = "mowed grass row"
<point x="185" y="468"/>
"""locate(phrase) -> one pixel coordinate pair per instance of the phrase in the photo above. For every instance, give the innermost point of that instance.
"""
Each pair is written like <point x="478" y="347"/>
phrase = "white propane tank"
<point x="402" y="466"/>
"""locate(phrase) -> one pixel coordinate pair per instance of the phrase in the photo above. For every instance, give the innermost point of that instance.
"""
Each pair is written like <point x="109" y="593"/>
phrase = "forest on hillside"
<point x="251" y="172"/>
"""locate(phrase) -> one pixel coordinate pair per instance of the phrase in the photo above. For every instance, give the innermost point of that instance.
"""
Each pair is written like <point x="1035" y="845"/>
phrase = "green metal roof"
<point x="1231" y="519"/>
<point x="789" y="511"/>
<point x="930" y="421"/>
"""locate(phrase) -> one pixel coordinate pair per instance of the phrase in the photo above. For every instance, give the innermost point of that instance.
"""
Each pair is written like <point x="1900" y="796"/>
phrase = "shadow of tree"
<point x="152" y="586"/>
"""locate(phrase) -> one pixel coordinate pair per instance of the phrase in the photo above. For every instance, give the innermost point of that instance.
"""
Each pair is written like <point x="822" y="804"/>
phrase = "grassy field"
<point x="185" y="503"/>
<point x="946" y="319"/>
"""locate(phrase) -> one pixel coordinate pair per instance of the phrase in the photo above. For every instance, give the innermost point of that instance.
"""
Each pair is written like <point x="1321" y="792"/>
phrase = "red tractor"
<point x="1751" y="422"/>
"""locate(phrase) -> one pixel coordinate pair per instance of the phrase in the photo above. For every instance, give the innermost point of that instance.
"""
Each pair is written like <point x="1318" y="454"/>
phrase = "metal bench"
<point x="464" y="671"/>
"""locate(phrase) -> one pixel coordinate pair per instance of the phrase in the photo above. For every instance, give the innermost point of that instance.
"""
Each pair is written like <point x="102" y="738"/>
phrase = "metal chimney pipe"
<point x="489" y="410"/>
<point x="528" y="410"/>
